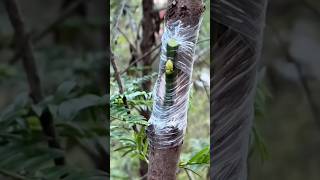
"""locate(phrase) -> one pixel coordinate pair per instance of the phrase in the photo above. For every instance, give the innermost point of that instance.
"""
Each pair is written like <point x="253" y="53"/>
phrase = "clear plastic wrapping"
<point x="239" y="25"/>
<point x="243" y="16"/>
<point x="168" y="120"/>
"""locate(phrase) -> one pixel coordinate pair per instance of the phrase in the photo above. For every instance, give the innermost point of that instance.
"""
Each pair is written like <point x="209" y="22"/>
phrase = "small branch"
<point x="30" y="68"/>
<point x="117" y="74"/>
<point x="138" y="34"/>
<point x="121" y="87"/>
<point x="139" y="59"/>
<point x="204" y="86"/>
<point x="203" y="41"/>
<point x="115" y="24"/>
<point x="189" y="176"/>
<point x="155" y="57"/>
<point x="117" y="19"/>
<point x="127" y="39"/>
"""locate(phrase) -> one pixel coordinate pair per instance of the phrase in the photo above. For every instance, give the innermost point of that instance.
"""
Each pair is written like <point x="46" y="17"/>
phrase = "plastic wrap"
<point x="236" y="50"/>
<point x="168" y="120"/>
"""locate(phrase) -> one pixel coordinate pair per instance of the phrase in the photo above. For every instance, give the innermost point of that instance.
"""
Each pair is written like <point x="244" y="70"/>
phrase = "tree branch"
<point x="117" y="19"/>
<point x="121" y="87"/>
<point x="30" y="68"/>
<point x="141" y="58"/>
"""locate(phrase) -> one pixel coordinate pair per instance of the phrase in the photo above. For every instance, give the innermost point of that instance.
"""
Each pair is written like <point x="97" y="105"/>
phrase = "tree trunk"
<point x="164" y="156"/>
<point x="237" y="31"/>
<point x="163" y="163"/>
<point x="150" y="24"/>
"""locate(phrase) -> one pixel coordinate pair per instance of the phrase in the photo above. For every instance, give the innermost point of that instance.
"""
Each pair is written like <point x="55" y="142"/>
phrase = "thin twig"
<point x="117" y="19"/>
<point x="141" y="58"/>
<point x="202" y="41"/>
<point x="138" y="34"/>
<point x="127" y="39"/>
<point x="30" y="68"/>
<point x="155" y="57"/>
<point x="116" y="74"/>
<point x="204" y="86"/>
<point x="121" y="87"/>
<point x="189" y="176"/>
<point x="133" y="23"/>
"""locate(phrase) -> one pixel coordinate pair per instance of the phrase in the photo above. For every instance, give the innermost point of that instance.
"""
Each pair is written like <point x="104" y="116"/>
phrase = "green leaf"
<point x="123" y="147"/>
<point x="69" y="109"/>
<point x="260" y="145"/>
<point x="65" y="88"/>
<point x="201" y="157"/>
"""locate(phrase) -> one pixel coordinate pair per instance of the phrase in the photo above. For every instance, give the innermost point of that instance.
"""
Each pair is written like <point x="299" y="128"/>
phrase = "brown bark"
<point x="150" y="25"/>
<point x="163" y="163"/>
<point x="30" y="68"/>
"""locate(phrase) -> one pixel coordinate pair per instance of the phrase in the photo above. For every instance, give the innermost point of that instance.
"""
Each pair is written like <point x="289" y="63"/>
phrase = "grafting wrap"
<point x="168" y="122"/>
<point x="239" y="28"/>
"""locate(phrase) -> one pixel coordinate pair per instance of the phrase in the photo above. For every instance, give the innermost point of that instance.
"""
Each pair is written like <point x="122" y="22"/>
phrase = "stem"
<point x="172" y="48"/>
<point x="30" y="68"/>
<point x="121" y="87"/>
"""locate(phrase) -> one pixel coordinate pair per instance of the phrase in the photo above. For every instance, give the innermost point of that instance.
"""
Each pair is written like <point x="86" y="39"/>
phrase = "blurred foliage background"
<point x="290" y="72"/>
<point x="128" y="36"/>
<point x="68" y="39"/>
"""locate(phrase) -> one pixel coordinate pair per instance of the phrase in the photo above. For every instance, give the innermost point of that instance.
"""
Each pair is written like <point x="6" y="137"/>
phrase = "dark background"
<point x="290" y="70"/>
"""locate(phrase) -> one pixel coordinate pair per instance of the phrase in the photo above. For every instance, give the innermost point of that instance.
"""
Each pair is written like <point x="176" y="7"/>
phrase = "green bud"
<point x="169" y="67"/>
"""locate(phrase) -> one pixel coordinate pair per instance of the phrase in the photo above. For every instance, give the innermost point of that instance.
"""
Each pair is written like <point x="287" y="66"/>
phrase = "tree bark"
<point x="163" y="162"/>
<point x="30" y="68"/>
<point x="150" y="24"/>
